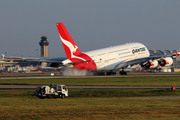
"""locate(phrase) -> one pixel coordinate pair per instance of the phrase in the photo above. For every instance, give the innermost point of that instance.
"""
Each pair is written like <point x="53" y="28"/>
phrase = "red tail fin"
<point x="6" y="68"/>
<point x="69" y="45"/>
<point x="176" y="53"/>
<point x="75" y="56"/>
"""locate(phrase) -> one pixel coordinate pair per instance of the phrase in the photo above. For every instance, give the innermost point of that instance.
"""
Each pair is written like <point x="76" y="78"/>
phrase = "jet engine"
<point x="150" y="64"/>
<point x="168" y="61"/>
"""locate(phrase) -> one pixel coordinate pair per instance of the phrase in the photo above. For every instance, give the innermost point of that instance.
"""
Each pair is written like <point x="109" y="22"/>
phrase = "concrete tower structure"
<point x="44" y="46"/>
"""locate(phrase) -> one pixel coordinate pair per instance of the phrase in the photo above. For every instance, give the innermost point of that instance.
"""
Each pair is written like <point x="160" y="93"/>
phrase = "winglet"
<point x="176" y="54"/>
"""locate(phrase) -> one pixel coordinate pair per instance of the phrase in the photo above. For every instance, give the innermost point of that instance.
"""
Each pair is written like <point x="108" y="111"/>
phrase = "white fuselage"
<point x="113" y="57"/>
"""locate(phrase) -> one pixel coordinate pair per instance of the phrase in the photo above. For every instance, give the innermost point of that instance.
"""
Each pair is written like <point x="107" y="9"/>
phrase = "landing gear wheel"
<point x="111" y="73"/>
<point x="122" y="73"/>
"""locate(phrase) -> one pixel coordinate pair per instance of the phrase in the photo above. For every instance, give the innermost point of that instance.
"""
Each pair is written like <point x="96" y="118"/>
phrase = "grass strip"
<point x="99" y="93"/>
<point x="95" y="104"/>
<point x="122" y="81"/>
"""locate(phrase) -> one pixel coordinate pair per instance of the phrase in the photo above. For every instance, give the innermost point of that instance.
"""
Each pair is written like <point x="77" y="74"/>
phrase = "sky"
<point x="93" y="24"/>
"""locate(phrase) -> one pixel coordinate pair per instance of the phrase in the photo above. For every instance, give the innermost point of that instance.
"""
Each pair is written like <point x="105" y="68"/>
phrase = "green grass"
<point x="124" y="81"/>
<point x="103" y="93"/>
<point x="103" y="104"/>
<point x="90" y="104"/>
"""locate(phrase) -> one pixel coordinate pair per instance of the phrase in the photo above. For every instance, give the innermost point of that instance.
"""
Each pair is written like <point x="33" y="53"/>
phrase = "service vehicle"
<point x="51" y="91"/>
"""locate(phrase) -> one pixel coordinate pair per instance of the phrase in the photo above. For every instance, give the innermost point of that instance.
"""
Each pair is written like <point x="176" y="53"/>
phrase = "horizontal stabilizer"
<point x="74" y="63"/>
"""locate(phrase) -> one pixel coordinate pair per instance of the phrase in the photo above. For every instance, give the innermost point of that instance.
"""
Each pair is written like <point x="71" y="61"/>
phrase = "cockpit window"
<point x="64" y="87"/>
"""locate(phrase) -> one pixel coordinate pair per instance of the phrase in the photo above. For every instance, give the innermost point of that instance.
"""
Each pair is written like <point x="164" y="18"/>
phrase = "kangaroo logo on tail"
<point x="69" y="45"/>
<point x="79" y="60"/>
<point x="72" y="48"/>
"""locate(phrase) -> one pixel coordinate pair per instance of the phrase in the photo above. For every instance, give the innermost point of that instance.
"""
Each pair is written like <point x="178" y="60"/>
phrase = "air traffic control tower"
<point x="44" y="46"/>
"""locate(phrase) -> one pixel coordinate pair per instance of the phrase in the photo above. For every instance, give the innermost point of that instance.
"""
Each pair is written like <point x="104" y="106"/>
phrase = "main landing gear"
<point x="105" y="73"/>
<point x="123" y="72"/>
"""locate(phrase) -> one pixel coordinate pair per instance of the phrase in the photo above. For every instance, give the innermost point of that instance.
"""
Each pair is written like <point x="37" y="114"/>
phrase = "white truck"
<point x="51" y="91"/>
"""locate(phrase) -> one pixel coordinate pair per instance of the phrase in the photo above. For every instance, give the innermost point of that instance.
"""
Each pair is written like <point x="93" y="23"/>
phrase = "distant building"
<point x="44" y="46"/>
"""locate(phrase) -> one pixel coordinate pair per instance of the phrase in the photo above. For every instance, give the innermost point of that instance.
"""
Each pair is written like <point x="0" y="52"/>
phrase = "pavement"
<point x="89" y="87"/>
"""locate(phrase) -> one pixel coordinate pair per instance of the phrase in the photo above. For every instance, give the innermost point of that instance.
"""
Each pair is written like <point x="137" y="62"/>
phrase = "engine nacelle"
<point x="168" y="61"/>
<point x="151" y="64"/>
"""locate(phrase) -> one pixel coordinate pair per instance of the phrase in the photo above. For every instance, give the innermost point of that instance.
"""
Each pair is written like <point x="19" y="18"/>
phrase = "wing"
<point x="142" y="61"/>
<point x="40" y="59"/>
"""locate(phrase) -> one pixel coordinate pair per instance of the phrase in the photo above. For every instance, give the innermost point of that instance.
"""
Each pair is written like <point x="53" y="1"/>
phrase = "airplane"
<point x="32" y="68"/>
<point x="111" y="59"/>
<point x="3" y="56"/>
<point x="4" y="69"/>
<point x="47" y="69"/>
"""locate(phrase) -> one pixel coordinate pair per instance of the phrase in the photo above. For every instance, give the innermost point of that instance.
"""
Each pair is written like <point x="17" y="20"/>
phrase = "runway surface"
<point x="47" y="75"/>
<point x="89" y="87"/>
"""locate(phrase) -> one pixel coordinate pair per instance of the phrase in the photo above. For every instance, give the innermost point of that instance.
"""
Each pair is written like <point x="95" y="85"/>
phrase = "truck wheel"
<point x="60" y="95"/>
<point x="63" y="96"/>
<point x="51" y="96"/>
<point x="41" y="97"/>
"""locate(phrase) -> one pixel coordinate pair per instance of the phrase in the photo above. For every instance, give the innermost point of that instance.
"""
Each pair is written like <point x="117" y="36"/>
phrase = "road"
<point x="89" y="87"/>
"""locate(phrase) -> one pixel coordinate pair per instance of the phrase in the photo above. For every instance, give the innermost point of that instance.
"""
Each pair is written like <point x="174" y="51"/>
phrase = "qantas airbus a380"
<point x="111" y="59"/>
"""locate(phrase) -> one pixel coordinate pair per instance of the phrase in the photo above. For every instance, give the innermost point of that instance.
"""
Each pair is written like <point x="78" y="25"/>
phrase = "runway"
<point x="89" y="87"/>
<point x="47" y="75"/>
